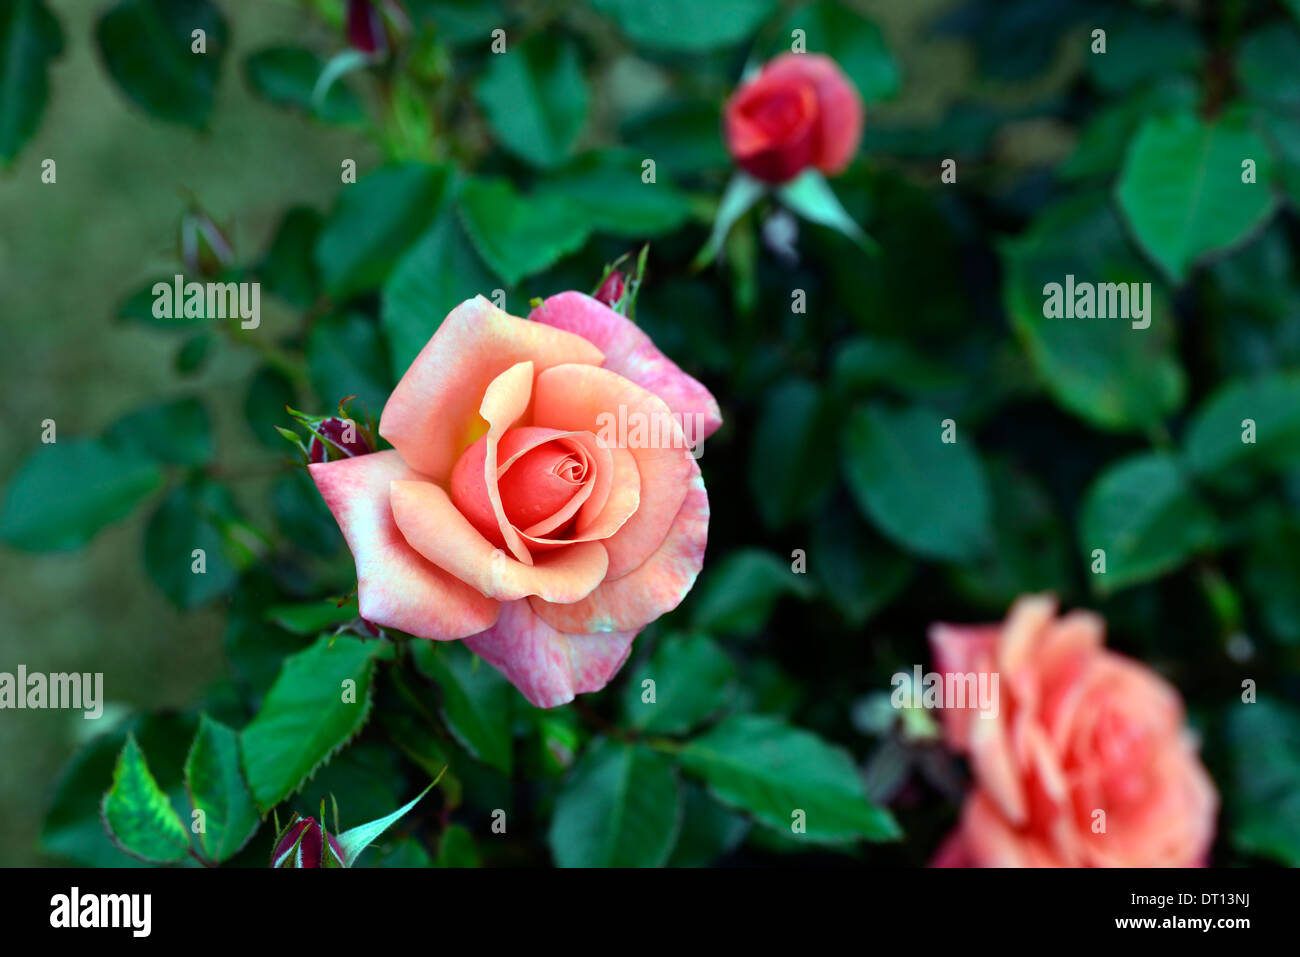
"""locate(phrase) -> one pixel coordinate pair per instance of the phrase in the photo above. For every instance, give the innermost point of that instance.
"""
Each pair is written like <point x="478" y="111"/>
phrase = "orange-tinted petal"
<point x="632" y="354"/>
<point x="578" y="397"/>
<point x="622" y="496"/>
<point x="432" y="415"/>
<point x="655" y="588"/>
<point x="548" y="666"/>
<point x="505" y="400"/>
<point x="434" y="528"/>
<point x="396" y="586"/>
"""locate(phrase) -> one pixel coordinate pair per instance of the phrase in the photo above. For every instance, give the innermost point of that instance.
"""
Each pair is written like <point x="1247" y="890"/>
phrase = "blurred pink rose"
<point x="1079" y="730"/>
<point x="800" y="111"/>
<point x="509" y="514"/>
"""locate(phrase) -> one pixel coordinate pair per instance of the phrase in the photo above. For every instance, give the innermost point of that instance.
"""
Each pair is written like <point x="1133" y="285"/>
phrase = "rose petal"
<point x="435" y="529"/>
<point x="578" y="397"/>
<point x="548" y="666"/>
<point x="962" y="649"/>
<point x="504" y="401"/>
<point x="623" y="496"/>
<point x="432" y="414"/>
<point x="839" y="106"/>
<point x="631" y="353"/>
<point x="773" y="127"/>
<point x="396" y="586"/>
<point x="658" y="586"/>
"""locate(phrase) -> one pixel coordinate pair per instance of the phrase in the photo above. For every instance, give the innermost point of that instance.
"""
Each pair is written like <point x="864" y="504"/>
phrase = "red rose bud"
<point x="304" y="843"/>
<point x="203" y="248"/>
<point x="800" y="111"/>
<point x="376" y="26"/>
<point x="612" y="289"/>
<point x="366" y="27"/>
<point x="342" y="435"/>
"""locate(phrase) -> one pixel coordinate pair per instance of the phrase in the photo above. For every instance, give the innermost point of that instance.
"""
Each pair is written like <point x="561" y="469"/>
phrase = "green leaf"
<point x="147" y="47"/>
<point x="312" y="617"/>
<point x="216" y="787"/>
<point x="346" y="355"/>
<point x="517" y="235"/>
<point x="709" y="830"/>
<point x="1264" y="744"/>
<point x="789" y="470"/>
<point x="457" y="22"/>
<point x="1282" y="129"/>
<point x="1107" y="132"/>
<point x="620" y="806"/>
<point x="73" y="829"/>
<point x="606" y="187"/>
<point x="30" y="37"/>
<point x="193" y="354"/>
<point x="737" y="595"/>
<point x="1103" y="370"/>
<point x="687" y="25"/>
<point x="759" y="764"/>
<point x="851" y="40"/>
<point x="1272" y="567"/>
<point x="681" y="136"/>
<point x="375" y="221"/>
<point x="368" y="779"/>
<point x="195" y="515"/>
<point x="863" y="363"/>
<point x="1181" y="188"/>
<point x="859" y="573"/>
<point x="1216" y="437"/>
<point x="1142" y="47"/>
<point x="437" y="274"/>
<point x="67" y="491"/>
<point x="740" y="196"/>
<point x="928" y="496"/>
<point x="535" y="98"/>
<point x="357" y="839"/>
<point x="1031" y="555"/>
<point x="305" y="718"/>
<point x="137" y="814"/>
<point x="1144" y="515"/>
<point x="456" y="849"/>
<point x="255" y="648"/>
<point x="476" y="701"/>
<point x="269" y="391"/>
<point x="693" y="680"/>
<point x="1265" y="64"/>
<point x="178" y="433"/>
<point x="288" y="269"/>
<point x="286" y="76"/>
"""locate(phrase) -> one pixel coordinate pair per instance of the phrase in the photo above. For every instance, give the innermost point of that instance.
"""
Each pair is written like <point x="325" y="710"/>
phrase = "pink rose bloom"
<point x="800" y="111"/>
<point x="1079" y="730"/>
<point x="511" y="511"/>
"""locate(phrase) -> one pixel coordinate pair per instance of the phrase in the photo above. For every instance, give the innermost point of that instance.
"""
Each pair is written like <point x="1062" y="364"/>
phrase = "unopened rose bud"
<point x="376" y="26"/>
<point x="611" y="290"/>
<point x="304" y="843"/>
<point x="365" y="27"/>
<point x="203" y="248"/>
<point x="340" y="434"/>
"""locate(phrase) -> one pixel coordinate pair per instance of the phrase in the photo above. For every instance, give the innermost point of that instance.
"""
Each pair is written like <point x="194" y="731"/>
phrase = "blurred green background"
<point x="69" y="253"/>
<point x="944" y="320"/>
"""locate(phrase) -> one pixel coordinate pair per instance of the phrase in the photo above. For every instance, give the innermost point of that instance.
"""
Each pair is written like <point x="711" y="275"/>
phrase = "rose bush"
<point x="800" y="111"/>
<point x="1079" y="730"/>
<point x="508" y="514"/>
